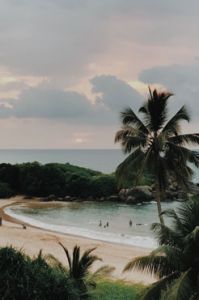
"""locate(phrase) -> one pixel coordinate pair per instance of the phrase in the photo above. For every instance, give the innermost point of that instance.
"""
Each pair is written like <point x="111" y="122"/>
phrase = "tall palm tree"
<point x="155" y="144"/>
<point x="176" y="261"/>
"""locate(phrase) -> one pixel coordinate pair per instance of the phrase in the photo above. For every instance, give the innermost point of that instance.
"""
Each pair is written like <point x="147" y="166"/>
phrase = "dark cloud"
<point x="50" y="104"/>
<point x="71" y="106"/>
<point x="183" y="81"/>
<point x="115" y="94"/>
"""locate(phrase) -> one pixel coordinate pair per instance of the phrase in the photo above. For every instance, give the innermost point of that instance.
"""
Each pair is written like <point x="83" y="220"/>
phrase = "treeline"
<point x="61" y="180"/>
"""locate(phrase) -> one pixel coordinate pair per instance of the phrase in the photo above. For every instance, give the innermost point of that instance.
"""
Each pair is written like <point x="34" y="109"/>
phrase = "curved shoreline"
<point x="33" y="239"/>
<point x="128" y="239"/>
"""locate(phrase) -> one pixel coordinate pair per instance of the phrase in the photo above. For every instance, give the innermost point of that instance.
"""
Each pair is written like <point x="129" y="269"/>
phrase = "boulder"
<point x="114" y="198"/>
<point x="67" y="198"/>
<point x="136" y="194"/>
<point x="131" y="200"/>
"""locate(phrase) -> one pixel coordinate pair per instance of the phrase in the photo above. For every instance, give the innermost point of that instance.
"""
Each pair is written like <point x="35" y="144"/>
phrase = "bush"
<point x="5" y="190"/>
<point x="103" y="185"/>
<point x="24" y="279"/>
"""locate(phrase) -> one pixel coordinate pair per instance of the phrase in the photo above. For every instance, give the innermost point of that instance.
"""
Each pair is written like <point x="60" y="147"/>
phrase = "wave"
<point x="119" y="238"/>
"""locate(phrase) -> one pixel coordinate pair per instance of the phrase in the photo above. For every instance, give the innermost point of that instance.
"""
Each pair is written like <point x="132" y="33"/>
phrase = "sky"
<point x="69" y="67"/>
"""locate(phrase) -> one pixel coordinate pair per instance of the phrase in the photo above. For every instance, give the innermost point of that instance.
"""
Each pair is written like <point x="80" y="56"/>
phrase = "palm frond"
<point x="131" y="163"/>
<point x="130" y="138"/>
<point x="54" y="262"/>
<point x="87" y="260"/>
<point x="172" y="126"/>
<point x="181" y="289"/>
<point x="157" y="109"/>
<point x="103" y="271"/>
<point x="157" y="265"/>
<point x="155" y="290"/>
<point x="171" y="213"/>
<point x="165" y="235"/>
<point x="67" y="255"/>
<point x="188" y="213"/>
<point x="185" y="139"/>
<point x="173" y="253"/>
<point x="129" y="117"/>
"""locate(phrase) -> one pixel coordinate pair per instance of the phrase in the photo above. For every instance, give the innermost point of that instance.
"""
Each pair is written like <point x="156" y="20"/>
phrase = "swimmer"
<point x="107" y="224"/>
<point x="100" y="223"/>
<point x="130" y="223"/>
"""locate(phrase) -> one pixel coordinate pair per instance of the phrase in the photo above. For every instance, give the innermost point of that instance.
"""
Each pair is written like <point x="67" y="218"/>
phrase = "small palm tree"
<point x="156" y="144"/>
<point x="79" y="270"/>
<point x="176" y="261"/>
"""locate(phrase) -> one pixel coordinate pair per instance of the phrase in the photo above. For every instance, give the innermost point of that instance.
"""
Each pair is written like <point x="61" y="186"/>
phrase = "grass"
<point x="117" y="290"/>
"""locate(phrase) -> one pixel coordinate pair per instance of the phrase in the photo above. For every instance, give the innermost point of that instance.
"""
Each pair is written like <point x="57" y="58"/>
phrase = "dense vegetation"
<point x="45" y="278"/>
<point x="25" y="279"/>
<point x="176" y="261"/>
<point x="34" y="179"/>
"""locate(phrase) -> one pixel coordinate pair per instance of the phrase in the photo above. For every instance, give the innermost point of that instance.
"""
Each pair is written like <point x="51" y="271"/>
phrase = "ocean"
<point x="100" y="160"/>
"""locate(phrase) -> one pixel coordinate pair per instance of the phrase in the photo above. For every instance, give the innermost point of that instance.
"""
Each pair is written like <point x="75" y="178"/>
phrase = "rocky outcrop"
<point x="136" y="194"/>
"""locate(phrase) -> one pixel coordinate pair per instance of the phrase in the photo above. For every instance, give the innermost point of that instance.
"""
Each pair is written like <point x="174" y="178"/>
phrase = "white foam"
<point x="139" y="241"/>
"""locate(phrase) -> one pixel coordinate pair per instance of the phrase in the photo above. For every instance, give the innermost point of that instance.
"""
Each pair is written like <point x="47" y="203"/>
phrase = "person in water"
<point x="130" y="223"/>
<point x="100" y="223"/>
<point x="107" y="224"/>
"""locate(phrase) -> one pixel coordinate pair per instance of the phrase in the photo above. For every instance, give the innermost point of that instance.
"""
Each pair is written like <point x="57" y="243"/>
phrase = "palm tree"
<point x="79" y="270"/>
<point x="155" y="144"/>
<point x="176" y="261"/>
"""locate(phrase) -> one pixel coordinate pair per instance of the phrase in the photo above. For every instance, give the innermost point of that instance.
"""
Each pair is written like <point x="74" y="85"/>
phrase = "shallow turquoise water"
<point x="84" y="219"/>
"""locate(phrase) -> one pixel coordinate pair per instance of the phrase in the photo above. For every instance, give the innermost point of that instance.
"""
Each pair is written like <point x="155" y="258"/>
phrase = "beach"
<point x="33" y="239"/>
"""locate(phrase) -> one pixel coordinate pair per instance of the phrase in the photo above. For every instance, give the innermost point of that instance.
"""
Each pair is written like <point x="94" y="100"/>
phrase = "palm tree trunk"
<point x="158" y="201"/>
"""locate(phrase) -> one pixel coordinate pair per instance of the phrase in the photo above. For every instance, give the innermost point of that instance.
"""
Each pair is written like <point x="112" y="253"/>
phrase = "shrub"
<point x="24" y="279"/>
<point x="5" y="190"/>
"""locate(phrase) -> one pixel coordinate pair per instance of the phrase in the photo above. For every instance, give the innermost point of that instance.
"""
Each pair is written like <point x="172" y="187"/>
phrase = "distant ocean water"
<point x="100" y="160"/>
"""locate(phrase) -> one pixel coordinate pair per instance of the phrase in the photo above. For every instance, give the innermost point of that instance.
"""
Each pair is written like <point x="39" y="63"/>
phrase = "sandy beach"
<point x="32" y="239"/>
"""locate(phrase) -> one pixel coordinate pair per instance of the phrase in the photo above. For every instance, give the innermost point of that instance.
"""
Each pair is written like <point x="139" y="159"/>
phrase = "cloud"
<point x="115" y="94"/>
<point x="58" y="38"/>
<point x="49" y="104"/>
<point x="182" y="80"/>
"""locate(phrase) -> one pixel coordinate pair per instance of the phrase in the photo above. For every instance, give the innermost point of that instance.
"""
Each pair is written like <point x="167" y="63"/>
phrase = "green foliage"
<point x="25" y="279"/>
<point x="34" y="179"/>
<point x="5" y="190"/>
<point x="103" y="185"/>
<point x="79" y="267"/>
<point x="117" y="290"/>
<point x="176" y="261"/>
<point x="45" y="278"/>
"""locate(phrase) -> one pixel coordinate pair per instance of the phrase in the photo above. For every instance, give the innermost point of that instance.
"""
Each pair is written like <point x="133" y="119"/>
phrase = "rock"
<point x="130" y="199"/>
<point x="114" y="198"/>
<point x="136" y="194"/>
<point x="59" y="199"/>
<point x="51" y="197"/>
<point x="67" y="198"/>
<point x="141" y="193"/>
<point x="102" y="199"/>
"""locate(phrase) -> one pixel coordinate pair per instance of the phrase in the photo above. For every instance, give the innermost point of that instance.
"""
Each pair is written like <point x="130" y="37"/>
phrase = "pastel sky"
<point x="68" y="67"/>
